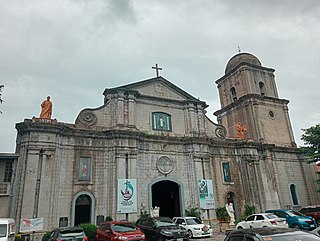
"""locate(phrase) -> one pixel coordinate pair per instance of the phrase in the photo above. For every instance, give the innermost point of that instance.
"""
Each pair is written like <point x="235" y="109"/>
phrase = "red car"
<point x="312" y="211"/>
<point x="118" y="231"/>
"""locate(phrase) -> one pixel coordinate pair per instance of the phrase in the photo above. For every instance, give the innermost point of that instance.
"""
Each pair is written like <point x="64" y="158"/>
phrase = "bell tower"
<point x="249" y="98"/>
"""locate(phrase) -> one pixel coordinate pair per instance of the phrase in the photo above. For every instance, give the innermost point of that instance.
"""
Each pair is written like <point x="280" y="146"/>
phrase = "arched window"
<point x="161" y="121"/>
<point x="262" y="88"/>
<point x="294" y="196"/>
<point x="233" y="94"/>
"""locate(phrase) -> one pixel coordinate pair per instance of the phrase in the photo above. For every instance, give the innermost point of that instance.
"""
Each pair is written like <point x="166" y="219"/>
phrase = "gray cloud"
<point x="72" y="50"/>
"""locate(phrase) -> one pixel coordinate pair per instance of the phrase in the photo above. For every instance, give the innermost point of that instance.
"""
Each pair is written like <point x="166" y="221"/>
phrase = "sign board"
<point x="31" y="224"/>
<point x="206" y="194"/>
<point x="127" y="196"/>
<point x="63" y="222"/>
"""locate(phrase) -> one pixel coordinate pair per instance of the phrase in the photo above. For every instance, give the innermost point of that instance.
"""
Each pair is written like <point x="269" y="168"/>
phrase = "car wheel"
<point x="190" y="234"/>
<point x="295" y="226"/>
<point x="240" y="227"/>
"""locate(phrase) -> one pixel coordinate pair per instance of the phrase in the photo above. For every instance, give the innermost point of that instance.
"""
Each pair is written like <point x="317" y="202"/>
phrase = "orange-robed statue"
<point x="46" y="109"/>
<point x="241" y="129"/>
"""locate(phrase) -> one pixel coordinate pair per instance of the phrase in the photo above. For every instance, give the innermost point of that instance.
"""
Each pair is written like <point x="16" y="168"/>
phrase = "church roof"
<point x="136" y="86"/>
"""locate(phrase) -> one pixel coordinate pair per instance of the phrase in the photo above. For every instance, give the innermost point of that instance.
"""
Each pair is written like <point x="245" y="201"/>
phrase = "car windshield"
<point x="71" y="233"/>
<point x="3" y="230"/>
<point x="192" y="221"/>
<point x="123" y="227"/>
<point x="293" y="213"/>
<point x="164" y="222"/>
<point x="271" y="216"/>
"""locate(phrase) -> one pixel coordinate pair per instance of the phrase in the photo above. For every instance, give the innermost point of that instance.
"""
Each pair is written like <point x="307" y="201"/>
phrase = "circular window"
<point x="271" y="114"/>
<point x="165" y="165"/>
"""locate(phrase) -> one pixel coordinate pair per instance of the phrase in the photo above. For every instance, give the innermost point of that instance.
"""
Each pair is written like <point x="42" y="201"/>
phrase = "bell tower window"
<point x="233" y="94"/>
<point x="262" y="88"/>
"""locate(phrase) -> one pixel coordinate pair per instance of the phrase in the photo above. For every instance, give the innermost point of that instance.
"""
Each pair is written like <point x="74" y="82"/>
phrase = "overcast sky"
<point x="73" y="50"/>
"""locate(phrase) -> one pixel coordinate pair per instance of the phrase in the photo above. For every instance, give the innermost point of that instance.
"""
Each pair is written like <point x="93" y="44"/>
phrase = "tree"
<point x="311" y="138"/>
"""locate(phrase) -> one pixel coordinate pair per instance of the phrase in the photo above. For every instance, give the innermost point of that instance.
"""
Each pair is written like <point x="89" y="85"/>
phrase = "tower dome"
<point x="241" y="58"/>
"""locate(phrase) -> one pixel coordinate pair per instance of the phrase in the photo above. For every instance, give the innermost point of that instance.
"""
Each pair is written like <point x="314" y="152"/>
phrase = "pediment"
<point x="155" y="87"/>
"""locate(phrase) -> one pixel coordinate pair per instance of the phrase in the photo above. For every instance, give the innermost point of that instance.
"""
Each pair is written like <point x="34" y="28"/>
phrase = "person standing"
<point x="46" y="109"/>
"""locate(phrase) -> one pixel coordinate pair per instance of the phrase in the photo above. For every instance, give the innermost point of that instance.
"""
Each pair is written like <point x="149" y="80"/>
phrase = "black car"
<point x="162" y="228"/>
<point x="68" y="234"/>
<point x="274" y="234"/>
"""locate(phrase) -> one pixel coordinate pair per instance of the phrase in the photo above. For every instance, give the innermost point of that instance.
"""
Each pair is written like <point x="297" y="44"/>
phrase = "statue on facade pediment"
<point x="241" y="129"/>
<point x="46" y="109"/>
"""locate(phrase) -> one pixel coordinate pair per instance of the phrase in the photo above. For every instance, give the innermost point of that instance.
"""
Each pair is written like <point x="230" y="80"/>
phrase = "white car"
<point x="316" y="231"/>
<point x="263" y="220"/>
<point x="195" y="227"/>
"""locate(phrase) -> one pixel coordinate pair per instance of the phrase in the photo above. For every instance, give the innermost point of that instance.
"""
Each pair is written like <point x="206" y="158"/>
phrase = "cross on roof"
<point x="157" y="69"/>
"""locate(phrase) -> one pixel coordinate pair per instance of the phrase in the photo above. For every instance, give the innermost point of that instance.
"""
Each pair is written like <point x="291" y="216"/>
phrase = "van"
<point x="7" y="229"/>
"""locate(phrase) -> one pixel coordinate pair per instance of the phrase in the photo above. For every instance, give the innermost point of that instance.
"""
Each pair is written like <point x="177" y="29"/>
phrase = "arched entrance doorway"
<point x="167" y="195"/>
<point x="83" y="206"/>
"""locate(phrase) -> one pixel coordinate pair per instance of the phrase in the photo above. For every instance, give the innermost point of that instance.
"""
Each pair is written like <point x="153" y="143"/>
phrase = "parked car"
<point x="295" y="219"/>
<point x="312" y="211"/>
<point x="263" y="220"/>
<point x="7" y="229"/>
<point x="119" y="230"/>
<point x="161" y="229"/>
<point x="316" y="231"/>
<point x="195" y="227"/>
<point x="68" y="234"/>
<point x="274" y="234"/>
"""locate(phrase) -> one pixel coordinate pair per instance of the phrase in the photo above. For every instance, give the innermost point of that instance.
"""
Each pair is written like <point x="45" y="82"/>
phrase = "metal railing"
<point x="4" y="188"/>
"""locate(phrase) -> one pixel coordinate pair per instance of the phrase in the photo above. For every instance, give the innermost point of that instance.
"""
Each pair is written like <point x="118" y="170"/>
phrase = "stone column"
<point x="120" y="109"/>
<point x="131" y="110"/>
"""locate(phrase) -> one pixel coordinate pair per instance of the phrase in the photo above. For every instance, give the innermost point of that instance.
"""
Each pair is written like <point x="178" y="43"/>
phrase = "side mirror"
<point x="107" y="232"/>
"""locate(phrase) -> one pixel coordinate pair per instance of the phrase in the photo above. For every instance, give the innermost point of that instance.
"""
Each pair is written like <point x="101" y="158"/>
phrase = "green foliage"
<point x="193" y="212"/>
<point x="144" y="214"/>
<point x="17" y="237"/>
<point x="108" y="218"/>
<point x="222" y="214"/>
<point x="249" y="210"/>
<point x="89" y="229"/>
<point x="311" y="138"/>
<point x="46" y="236"/>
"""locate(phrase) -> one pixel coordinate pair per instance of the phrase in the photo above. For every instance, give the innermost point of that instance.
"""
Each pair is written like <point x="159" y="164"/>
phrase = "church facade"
<point x="151" y="144"/>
